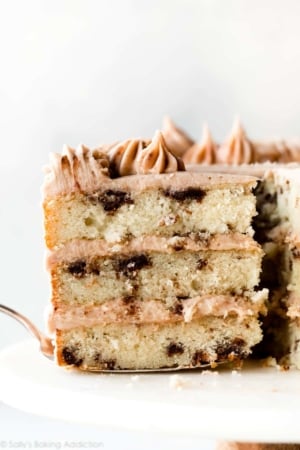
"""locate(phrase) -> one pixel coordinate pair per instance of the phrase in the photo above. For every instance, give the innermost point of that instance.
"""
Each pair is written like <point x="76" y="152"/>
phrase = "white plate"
<point x="256" y="404"/>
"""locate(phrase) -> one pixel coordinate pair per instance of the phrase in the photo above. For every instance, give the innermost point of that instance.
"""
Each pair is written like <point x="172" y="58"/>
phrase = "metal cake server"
<point x="47" y="346"/>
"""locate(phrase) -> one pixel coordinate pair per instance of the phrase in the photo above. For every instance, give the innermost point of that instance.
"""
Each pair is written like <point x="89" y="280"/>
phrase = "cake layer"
<point x="156" y="346"/>
<point x="94" y="279"/>
<point x="133" y="310"/>
<point x="162" y="205"/>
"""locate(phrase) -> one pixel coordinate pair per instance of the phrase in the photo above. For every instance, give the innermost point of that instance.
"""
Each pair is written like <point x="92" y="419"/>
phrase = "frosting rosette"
<point x="123" y="156"/>
<point x="204" y="152"/>
<point x="157" y="158"/>
<point x="238" y="149"/>
<point x="176" y="139"/>
<point x="76" y="170"/>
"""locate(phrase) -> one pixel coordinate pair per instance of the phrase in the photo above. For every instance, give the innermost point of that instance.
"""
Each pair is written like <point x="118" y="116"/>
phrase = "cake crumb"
<point x="135" y="378"/>
<point x="210" y="372"/>
<point x="269" y="362"/>
<point x="178" y="382"/>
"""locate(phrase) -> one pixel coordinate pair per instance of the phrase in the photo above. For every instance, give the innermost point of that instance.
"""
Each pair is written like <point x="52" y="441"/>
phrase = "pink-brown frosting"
<point x="202" y="153"/>
<point x="154" y="311"/>
<point x="177" y="140"/>
<point x="123" y="156"/>
<point x="288" y="151"/>
<point x="75" y="170"/>
<point x="157" y="158"/>
<point x="84" y="248"/>
<point x="238" y="149"/>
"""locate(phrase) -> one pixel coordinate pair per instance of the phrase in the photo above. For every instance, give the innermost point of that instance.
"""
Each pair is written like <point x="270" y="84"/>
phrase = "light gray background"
<point x="99" y="71"/>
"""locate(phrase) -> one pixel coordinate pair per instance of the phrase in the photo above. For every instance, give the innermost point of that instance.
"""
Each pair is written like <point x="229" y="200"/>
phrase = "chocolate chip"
<point x="128" y="299"/>
<point x="130" y="304"/>
<point x="200" y="357"/>
<point x="70" y="357"/>
<point x="271" y="198"/>
<point x="177" y="247"/>
<point x="81" y="268"/>
<point x="112" y="200"/>
<point x="129" y="266"/>
<point x="201" y="263"/>
<point x="77" y="268"/>
<point x="190" y="193"/>
<point x="177" y="308"/>
<point x="296" y="252"/>
<point x="231" y="350"/>
<point x="109" y="364"/>
<point x="93" y="268"/>
<point x="175" y="349"/>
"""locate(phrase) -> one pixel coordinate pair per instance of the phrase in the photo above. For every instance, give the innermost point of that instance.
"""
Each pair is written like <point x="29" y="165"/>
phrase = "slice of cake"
<point x="156" y="269"/>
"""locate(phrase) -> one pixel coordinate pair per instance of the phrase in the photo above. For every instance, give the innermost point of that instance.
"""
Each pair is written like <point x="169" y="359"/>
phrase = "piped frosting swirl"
<point x="238" y="149"/>
<point x="176" y="139"/>
<point x="157" y="158"/>
<point x="75" y="170"/>
<point x="202" y="153"/>
<point x="123" y="156"/>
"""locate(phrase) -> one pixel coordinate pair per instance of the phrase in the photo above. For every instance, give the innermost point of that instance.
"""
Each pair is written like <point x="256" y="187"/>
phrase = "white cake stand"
<point x="256" y="404"/>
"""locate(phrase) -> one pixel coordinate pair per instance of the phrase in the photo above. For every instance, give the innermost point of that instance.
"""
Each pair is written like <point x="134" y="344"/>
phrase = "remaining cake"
<point x="277" y="225"/>
<point x="151" y="266"/>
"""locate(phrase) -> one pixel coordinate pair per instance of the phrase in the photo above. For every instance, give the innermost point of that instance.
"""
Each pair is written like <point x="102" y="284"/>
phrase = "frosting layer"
<point x="83" y="248"/>
<point x="152" y="311"/>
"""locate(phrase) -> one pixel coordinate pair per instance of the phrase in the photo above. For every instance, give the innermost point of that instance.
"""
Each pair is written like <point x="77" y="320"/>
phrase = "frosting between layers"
<point x="152" y="311"/>
<point x="82" y="248"/>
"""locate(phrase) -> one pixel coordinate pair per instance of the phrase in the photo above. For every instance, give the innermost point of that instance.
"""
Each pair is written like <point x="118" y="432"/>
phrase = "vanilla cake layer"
<point x="161" y="205"/>
<point x="157" y="345"/>
<point x="181" y="269"/>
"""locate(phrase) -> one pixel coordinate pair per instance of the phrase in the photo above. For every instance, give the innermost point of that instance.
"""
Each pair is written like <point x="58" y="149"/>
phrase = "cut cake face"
<point x="155" y="269"/>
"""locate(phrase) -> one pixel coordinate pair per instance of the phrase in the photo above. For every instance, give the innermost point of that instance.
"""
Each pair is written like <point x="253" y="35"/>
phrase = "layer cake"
<point x="151" y="266"/>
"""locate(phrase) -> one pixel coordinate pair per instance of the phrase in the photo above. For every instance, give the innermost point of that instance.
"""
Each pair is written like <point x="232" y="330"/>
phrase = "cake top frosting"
<point x="157" y="158"/>
<point x="238" y="149"/>
<point x="82" y="169"/>
<point x="87" y="170"/>
<point x="123" y="156"/>
<point x="204" y="152"/>
<point x="176" y="139"/>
